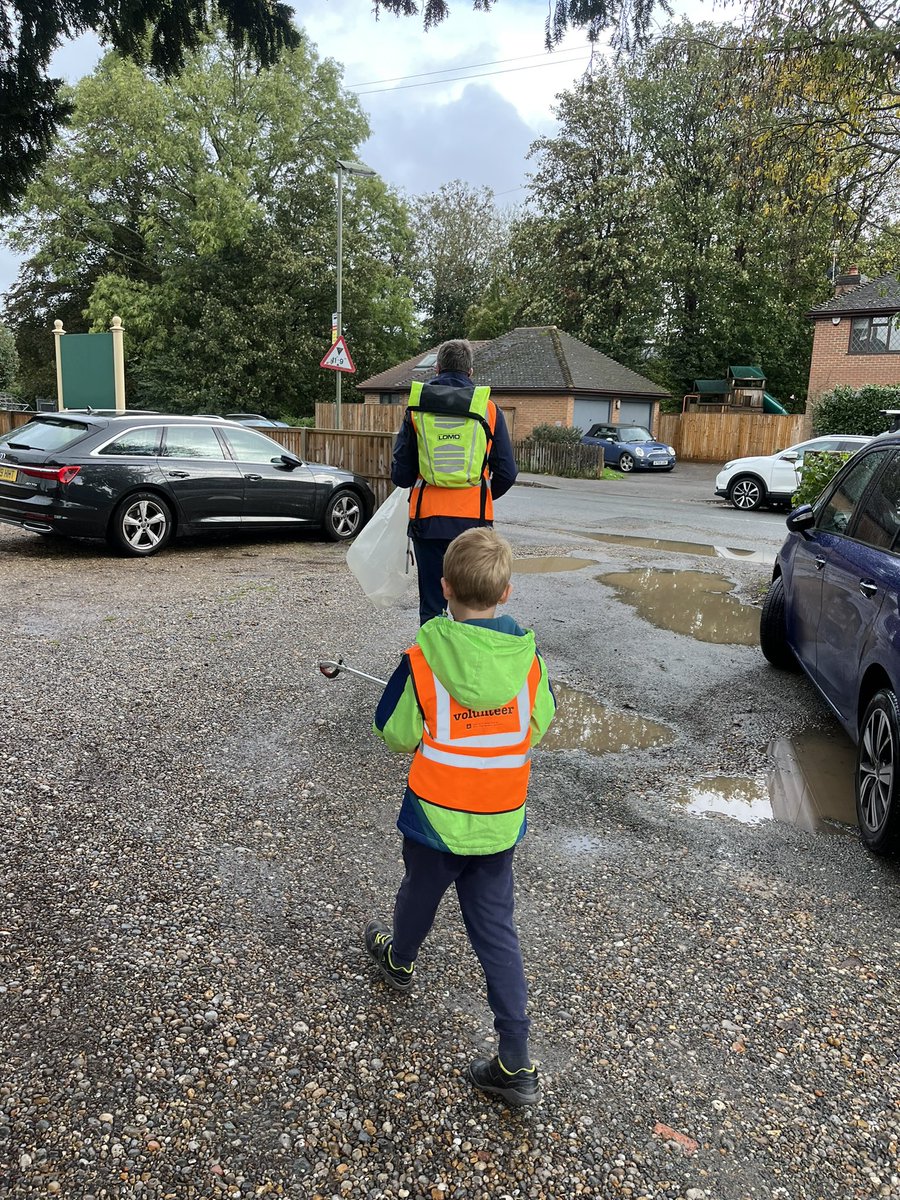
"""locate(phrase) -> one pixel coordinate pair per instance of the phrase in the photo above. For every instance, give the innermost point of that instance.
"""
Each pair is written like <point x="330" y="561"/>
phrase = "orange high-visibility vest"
<point x="427" y="499"/>
<point x="475" y="761"/>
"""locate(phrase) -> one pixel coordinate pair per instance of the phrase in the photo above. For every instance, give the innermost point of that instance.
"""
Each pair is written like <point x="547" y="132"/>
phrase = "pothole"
<point x="550" y="565"/>
<point x="695" y="603"/>
<point x="676" y="547"/>
<point x="809" y="785"/>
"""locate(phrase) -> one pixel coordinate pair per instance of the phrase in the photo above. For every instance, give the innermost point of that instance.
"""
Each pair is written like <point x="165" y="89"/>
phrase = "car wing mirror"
<point x="791" y="456"/>
<point x="801" y="519"/>
<point x="288" y="460"/>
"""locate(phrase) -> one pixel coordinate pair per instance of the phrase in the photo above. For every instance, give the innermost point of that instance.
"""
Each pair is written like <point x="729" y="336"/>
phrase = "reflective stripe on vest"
<point x="454" y="431"/>
<point x="475" y="761"/>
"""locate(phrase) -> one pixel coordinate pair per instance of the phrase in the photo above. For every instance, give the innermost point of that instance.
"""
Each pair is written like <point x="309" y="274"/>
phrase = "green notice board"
<point x="88" y="380"/>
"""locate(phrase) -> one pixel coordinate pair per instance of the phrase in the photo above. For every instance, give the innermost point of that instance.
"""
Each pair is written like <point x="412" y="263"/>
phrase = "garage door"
<point x="635" y="412"/>
<point x="590" y="412"/>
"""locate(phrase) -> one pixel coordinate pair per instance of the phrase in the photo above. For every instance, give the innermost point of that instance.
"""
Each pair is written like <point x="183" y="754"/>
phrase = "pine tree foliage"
<point x="629" y="20"/>
<point x="159" y="34"/>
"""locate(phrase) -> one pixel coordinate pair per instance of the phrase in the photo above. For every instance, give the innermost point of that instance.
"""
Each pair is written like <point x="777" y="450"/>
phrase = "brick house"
<point x="538" y="376"/>
<point x="857" y="334"/>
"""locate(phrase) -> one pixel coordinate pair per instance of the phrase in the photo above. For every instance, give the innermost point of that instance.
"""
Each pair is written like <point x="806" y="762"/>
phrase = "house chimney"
<point x="849" y="280"/>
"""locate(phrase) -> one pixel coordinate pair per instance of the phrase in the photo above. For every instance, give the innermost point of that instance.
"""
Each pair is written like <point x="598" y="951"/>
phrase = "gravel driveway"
<point x="197" y="825"/>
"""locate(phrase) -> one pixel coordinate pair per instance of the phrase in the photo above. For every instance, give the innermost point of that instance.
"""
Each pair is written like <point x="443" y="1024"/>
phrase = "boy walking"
<point x="471" y="698"/>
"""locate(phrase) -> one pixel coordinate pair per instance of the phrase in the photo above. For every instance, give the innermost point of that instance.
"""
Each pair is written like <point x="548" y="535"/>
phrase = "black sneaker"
<point x="515" y="1087"/>
<point x="378" y="945"/>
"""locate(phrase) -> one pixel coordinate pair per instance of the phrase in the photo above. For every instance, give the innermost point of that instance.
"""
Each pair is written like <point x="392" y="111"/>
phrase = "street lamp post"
<point x="344" y="167"/>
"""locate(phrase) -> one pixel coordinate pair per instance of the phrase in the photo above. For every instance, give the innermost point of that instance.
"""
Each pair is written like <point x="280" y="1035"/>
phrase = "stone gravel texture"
<point x="196" y="826"/>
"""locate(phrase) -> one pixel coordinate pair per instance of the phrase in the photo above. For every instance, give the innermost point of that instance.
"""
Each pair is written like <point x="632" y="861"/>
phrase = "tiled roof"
<point x="533" y="358"/>
<point x="880" y="295"/>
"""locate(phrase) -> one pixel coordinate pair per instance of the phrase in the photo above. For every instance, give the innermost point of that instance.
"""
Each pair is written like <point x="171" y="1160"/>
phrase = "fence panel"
<point x="369" y="418"/>
<point x="716" y="437"/>
<point x="559" y="458"/>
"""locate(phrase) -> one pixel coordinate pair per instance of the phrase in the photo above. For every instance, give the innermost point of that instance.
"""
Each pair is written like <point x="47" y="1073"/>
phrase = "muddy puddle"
<point x="676" y="547"/>
<point x="695" y="603"/>
<point x="582" y="723"/>
<point x="548" y="565"/>
<point x="809" y="785"/>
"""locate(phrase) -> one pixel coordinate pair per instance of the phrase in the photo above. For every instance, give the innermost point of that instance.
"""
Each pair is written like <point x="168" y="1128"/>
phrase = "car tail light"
<point x="59" y="474"/>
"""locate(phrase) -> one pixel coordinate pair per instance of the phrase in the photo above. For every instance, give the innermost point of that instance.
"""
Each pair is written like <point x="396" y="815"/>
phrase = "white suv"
<point x="773" y="478"/>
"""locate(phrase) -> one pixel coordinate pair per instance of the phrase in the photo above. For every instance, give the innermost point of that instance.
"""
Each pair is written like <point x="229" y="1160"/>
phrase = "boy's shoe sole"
<point x="487" y="1077"/>
<point x="377" y="951"/>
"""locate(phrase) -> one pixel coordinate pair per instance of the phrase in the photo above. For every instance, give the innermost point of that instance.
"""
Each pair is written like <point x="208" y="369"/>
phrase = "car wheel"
<point x="141" y="525"/>
<point x="625" y="463"/>
<point x="773" y="629"/>
<point x="878" y="773"/>
<point x="746" y="493"/>
<point x="343" y="516"/>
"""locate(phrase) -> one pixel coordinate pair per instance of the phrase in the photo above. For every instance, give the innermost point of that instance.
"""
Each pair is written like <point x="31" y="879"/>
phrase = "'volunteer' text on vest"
<point x="475" y="761"/>
<point x="454" y="431"/>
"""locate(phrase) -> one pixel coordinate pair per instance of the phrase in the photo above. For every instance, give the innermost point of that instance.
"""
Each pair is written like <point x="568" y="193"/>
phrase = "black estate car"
<point x="137" y="479"/>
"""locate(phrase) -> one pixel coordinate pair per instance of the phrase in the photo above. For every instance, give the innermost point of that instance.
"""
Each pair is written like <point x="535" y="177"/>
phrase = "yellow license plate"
<point x="8" y="475"/>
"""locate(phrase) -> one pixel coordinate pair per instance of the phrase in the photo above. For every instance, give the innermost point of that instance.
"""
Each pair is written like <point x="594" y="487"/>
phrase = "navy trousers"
<point x="484" y="888"/>
<point x="430" y="567"/>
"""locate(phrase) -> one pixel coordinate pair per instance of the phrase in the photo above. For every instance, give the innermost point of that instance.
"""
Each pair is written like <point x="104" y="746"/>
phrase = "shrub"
<point x="567" y="435"/>
<point x="855" y="410"/>
<point x="819" y="468"/>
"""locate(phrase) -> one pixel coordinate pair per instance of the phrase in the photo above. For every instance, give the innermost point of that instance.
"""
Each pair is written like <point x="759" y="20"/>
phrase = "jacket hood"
<point x="481" y="668"/>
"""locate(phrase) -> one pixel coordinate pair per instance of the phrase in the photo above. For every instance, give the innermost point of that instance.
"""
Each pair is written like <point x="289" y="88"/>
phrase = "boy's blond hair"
<point x="478" y="565"/>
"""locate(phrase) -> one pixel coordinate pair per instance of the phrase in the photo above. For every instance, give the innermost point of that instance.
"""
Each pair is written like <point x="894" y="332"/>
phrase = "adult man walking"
<point x="454" y="451"/>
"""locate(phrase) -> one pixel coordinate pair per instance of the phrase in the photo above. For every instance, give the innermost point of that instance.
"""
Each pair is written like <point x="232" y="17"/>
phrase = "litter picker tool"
<point x="331" y="670"/>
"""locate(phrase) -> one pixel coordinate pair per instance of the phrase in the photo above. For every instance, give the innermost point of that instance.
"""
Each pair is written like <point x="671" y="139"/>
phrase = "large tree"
<point x="33" y="106"/>
<point x="457" y="236"/>
<point x="675" y="222"/>
<point x="202" y="211"/>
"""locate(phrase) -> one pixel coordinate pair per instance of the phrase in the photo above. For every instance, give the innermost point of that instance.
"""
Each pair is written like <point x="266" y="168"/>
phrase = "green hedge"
<point x="855" y="410"/>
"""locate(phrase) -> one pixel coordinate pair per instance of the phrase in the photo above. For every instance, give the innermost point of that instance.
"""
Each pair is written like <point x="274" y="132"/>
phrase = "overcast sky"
<point x="477" y="126"/>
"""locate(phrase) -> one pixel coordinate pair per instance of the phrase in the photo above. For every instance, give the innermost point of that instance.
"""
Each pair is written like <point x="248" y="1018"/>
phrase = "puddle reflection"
<point x="809" y="786"/>
<point x="695" y="603"/>
<point x="582" y="723"/>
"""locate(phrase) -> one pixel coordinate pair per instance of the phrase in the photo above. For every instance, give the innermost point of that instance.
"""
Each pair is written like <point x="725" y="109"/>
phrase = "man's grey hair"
<point x="455" y="356"/>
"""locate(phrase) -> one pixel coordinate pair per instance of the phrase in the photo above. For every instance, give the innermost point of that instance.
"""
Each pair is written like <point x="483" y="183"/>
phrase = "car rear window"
<point x="192" y="441"/>
<point x="142" y="443"/>
<point x="48" y="435"/>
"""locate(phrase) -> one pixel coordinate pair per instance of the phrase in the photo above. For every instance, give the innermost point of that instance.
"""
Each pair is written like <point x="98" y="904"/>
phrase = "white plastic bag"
<point x="378" y="557"/>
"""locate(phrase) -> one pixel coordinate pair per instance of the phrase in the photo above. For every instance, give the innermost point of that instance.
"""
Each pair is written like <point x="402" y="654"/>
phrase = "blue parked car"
<point x="630" y="447"/>
<point x="833" y="609"/>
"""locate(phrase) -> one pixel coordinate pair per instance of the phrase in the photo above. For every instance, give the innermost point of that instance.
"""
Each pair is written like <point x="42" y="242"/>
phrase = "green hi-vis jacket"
<point x="483" y="666"/>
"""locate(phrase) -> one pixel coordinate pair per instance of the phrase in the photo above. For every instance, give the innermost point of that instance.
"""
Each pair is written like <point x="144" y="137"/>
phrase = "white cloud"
<point x="475" y="129"/>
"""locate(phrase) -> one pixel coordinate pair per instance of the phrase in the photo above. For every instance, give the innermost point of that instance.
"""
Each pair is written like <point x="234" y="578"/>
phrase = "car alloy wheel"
<point x="343" y="516"/>
<point x="878" y="773"/>
<point x="746" y="493"/>
<point x="141" y="525"/>
<point x="626" y="463"/>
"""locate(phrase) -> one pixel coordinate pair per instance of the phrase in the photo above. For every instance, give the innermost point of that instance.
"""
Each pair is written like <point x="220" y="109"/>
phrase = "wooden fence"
<point x="13" y="419"/>
<point x="558" y="458"/>
<point x="716" y="437"/>
<point x="697" y="437"/>
<point x="372" y="418"/>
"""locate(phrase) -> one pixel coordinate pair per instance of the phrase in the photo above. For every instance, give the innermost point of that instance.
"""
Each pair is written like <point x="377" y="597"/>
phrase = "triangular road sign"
<point x="338" y="358"/>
